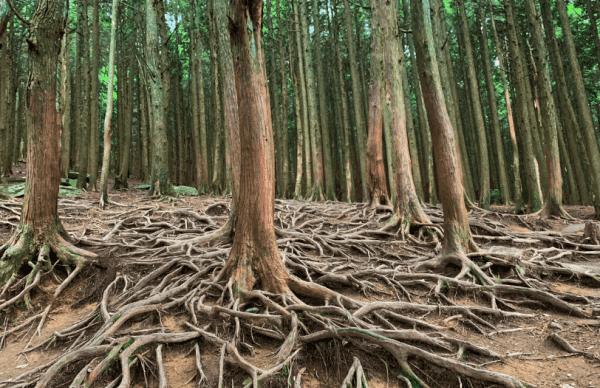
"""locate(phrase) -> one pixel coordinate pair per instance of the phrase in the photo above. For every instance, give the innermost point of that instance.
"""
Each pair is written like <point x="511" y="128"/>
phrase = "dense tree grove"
<point x="504" y="68"/>
<point x="368" y="106"/>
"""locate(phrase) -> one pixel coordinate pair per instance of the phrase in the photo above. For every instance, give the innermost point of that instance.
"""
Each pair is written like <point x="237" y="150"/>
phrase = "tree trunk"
<point x="65" y="105"/>
<point x="303" y="103"/>
<point x="376" y="181"/>
<point x="457" y="236"/>
<point x="583" y="104"/>
<point x="254" y="255"/>
<point x="299" y="130"/>
<point x="201" y="138"/>
<point x="84" y="129"/>
<point x="94" y="97"/>
<point x="126" y="123"/>
<point x="109" y="107"/>
<point x="327" y="161"/>
<point x="40" y="230"/>
<point x="357" y="99"/>
<point x="284" y="107"/>
<point x="158" y="80"/>
<point x="316" y="191"/>
<point x="447" y="77"/>
<point x="386" y="73"/>
<point x="428" y="179"/>
<point x="517" y="64"/>
<point x="347" y="185"/>
<point x="553" y="205"/>
<point x="199" y="158"/>
<point x="484" y="169"/>
<point x="515" y="165"/>
<point x="489" y="80"/>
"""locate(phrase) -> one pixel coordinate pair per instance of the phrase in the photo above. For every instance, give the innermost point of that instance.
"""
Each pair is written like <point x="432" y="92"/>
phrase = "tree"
<point x="582" y="103"/>
<point x="40" y="231"/>
<point x="484" y="169"/>
<point x="158" y="82"/>
<point x="109" y="107"/>
<point x="84" y="130"/>
<point x="94" y="97"/>
<point x="553" y="205"/>
<point x="457" y="235"/>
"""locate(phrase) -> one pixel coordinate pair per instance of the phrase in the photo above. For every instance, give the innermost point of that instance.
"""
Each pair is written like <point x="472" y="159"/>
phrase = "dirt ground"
<point x="528" y="352"/>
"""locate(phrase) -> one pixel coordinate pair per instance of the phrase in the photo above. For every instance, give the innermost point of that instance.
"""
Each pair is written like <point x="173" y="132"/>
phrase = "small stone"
<point x="568" y="375"/>
<point x="555" y="325"/>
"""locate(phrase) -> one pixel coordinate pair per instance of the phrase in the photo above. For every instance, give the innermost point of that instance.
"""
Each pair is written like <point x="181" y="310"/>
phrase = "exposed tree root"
<point x="325" y="250"/>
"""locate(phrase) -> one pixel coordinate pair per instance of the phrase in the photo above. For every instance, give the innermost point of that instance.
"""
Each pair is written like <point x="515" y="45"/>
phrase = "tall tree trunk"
<point x="6" y="102"/>
<point x="553" y="205"/>
<point x="357" y="98"/>
<point x="347" y="186"/>
<point x="442" y="47"/>
<point x="109" y="107"/>
<point x="303" y="103"/>
<point x="583" y="104"/>
<point x="198" y="75"/>
<point x="484" y="170"/>
<point x="386" y="73"/>
<point x="457" y="236"/>
<point x="199" y="158"/>
<point x="84" y="128"/>
<point x="428" y="178"/>
<point x="159" y="176"/>
<point x="515" y="165"/>
<point x="577" y="149"/>
<point x="318" y="184"/>
<point x="94" y="97"/>
<point x="254" y="255"/>
<point x="65" y="106"/>
<point x="327" y="161"/>
<point x="517" y="65"/>
<point x="376" y="181"/>
<point x="299" y="123"/>
<point x="491" y="92"/>
<point x="284" y="106"/>
<point x="40" y="231"/>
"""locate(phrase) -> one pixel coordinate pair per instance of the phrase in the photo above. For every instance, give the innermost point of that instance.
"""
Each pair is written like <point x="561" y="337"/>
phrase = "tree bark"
<point x="84" y="127"/>
<point x="553" y="205"/>
<point x="357" y="99"/>
<point x="517" y="65"/>
<point x="457" y="236"/>
<point x="583" y="104"/>
<point x="254" y="255"/>
<point x="386" y="73"/>
<point x="515" y="165"/>
<point x="158" y="80"/>
<point x="94" y="97"/>
<point x="327" y="161"/>
<point x="284" y="106"/>
<point x="489" y="80"/>
<point x="109" y="107"/>
<point x="65" y="105"/>
<point x="484" y="164"/>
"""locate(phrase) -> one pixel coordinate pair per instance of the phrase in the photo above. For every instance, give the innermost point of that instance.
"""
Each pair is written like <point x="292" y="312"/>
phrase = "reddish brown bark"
<point x="376" y="181"/>
<point x="254" y="256"/>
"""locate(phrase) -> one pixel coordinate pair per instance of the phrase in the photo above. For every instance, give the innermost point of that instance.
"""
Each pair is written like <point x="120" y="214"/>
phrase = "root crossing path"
<point x="366" y="305"/>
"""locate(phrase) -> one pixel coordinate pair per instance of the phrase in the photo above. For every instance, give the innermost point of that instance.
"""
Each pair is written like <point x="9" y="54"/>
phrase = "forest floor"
<point x="523" y="343"/>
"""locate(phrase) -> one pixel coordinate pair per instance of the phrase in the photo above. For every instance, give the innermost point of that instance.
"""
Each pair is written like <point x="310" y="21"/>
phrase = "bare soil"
<point x="528" y="353"/>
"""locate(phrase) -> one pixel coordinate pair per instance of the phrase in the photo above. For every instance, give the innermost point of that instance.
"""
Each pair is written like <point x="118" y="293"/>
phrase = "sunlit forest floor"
<point x="333" y="244"/>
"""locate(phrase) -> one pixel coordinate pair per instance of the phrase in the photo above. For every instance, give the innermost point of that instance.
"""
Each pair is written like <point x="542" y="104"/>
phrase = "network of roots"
<point x="383" y="297"/>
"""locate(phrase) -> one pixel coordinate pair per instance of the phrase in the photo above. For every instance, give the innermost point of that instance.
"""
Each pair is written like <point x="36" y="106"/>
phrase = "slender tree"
<point x="85" y="120"/>
<point x="94" y="97"/>
<point x="109" y="107"/>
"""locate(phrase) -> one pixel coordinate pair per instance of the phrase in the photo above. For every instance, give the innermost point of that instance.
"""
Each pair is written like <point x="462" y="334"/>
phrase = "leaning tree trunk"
<point x="457" y="235"/>
<point x="40" y="231"/>
<point x="109" y="107"/>
<point x="158" y="80"/>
